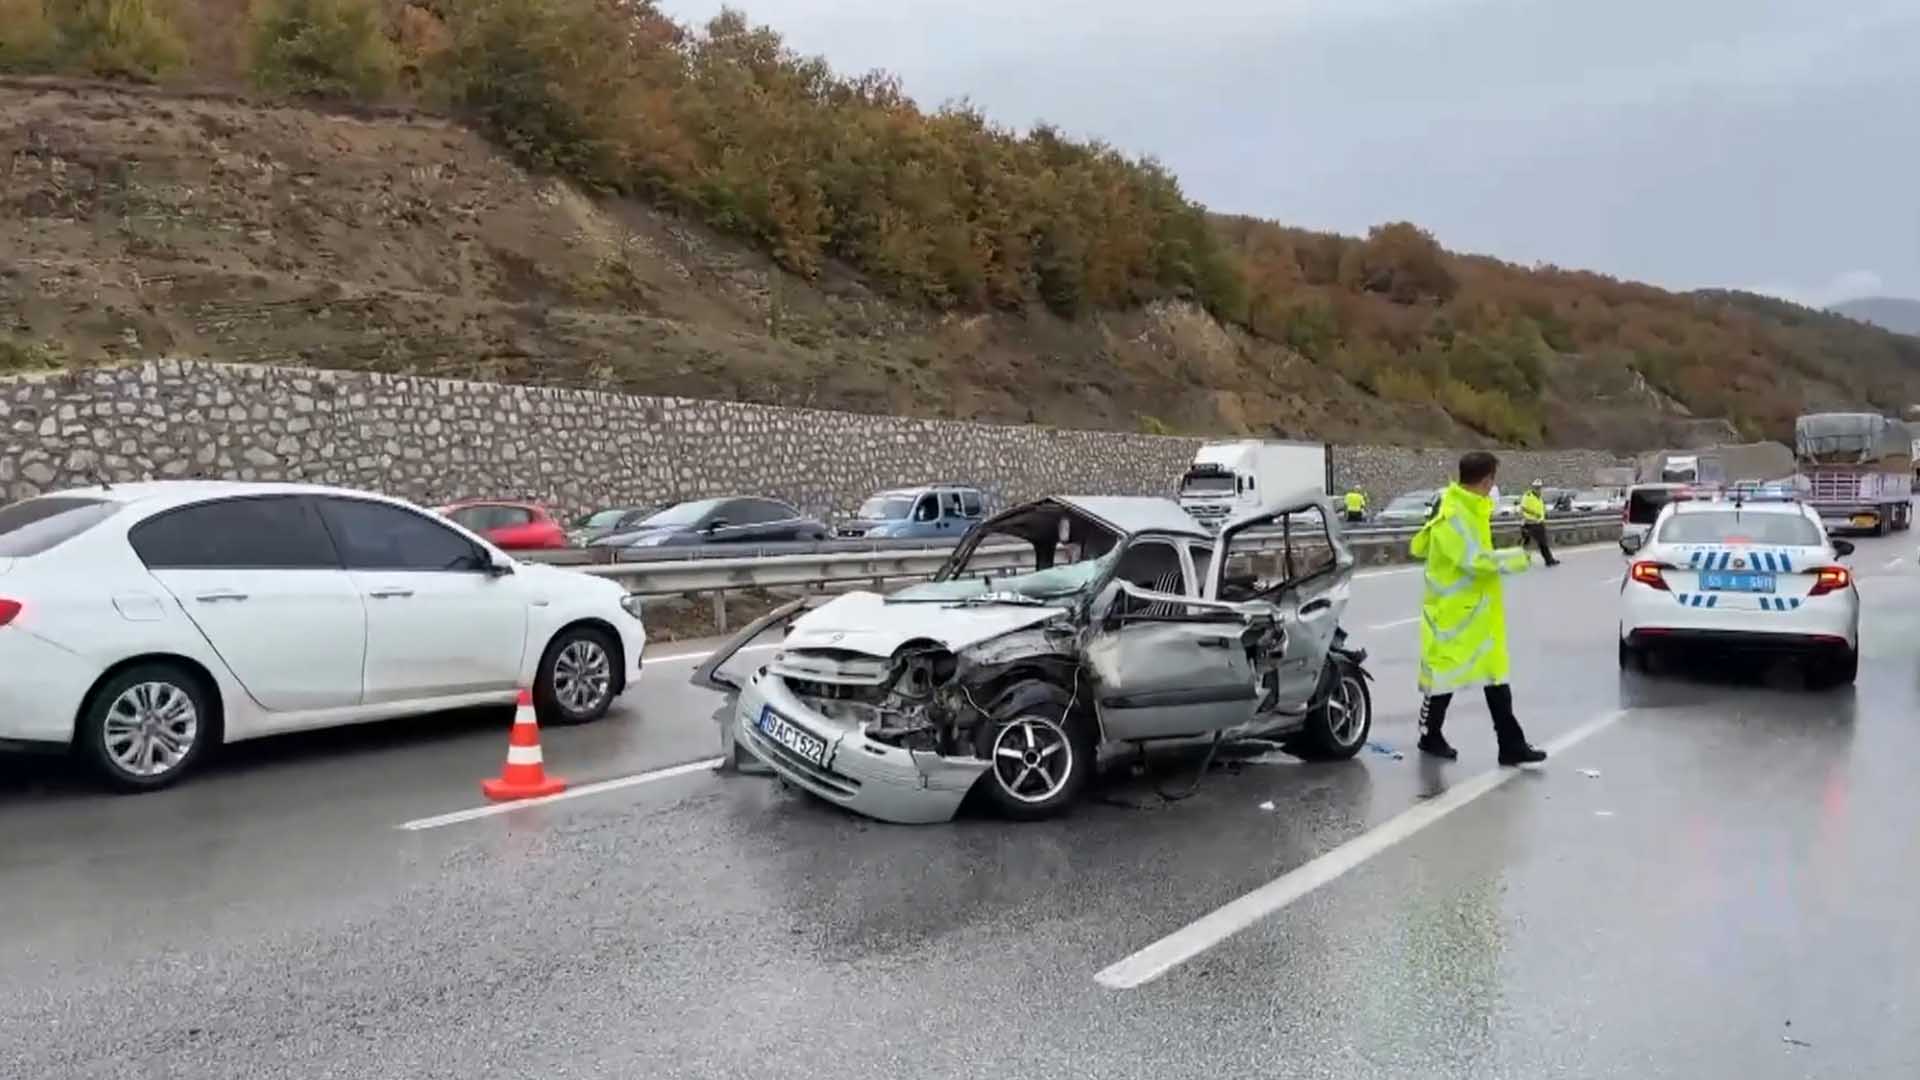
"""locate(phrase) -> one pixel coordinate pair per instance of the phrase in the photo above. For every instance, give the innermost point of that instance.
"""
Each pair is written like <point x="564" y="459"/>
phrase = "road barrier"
<point x="718" y="569"/>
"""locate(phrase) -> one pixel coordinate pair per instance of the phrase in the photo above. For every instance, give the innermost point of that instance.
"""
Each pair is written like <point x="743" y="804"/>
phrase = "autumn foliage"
<point x="944" y="208"/>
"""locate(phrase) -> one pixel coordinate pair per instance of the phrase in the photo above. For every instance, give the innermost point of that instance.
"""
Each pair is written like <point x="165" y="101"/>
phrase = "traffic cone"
<point x="525" y="775"/>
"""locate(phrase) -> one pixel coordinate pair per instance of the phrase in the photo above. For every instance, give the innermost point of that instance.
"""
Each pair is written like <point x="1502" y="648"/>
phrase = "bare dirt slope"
<point x="135" y="222"/>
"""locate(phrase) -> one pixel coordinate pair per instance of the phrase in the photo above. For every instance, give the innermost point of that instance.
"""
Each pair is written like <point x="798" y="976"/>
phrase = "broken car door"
<point x="1164" y="664"/>
<point x="1307" y="588"/>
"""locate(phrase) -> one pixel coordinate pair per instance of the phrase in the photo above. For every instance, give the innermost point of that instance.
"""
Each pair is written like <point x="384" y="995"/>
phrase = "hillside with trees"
<point x="667" y="209"/>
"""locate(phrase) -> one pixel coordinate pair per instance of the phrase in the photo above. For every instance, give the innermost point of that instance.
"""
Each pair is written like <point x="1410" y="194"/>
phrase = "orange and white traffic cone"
<point x="525" y="775"/>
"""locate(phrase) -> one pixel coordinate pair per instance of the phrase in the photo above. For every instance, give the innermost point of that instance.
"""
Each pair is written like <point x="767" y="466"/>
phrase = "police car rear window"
<point x="1730" y="526"/>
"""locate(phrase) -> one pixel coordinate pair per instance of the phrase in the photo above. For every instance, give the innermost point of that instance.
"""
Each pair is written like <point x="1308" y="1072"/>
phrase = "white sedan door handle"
<point x="389" y="594"/>
<point x="219" y="595"/>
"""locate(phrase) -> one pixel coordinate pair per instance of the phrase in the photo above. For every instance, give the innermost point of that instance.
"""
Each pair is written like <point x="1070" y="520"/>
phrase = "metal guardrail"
<point x="676" y="553"/>
<point x="718" y="569"/>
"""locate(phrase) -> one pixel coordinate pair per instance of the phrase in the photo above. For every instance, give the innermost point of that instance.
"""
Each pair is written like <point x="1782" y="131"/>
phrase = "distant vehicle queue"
<point x="1224" y="479"/>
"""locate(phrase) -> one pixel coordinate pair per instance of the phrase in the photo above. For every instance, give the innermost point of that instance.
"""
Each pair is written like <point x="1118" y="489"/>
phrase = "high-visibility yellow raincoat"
<point x="1463" y="625"/>
<point x="1533" y="509"/>
<point x="1356" y="502"/>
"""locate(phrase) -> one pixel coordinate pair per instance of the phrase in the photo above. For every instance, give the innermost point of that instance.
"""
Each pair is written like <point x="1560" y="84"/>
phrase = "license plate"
<point x="792" y="736"/>
<point x="1865" y="521"/>
<point x="1734" y="581"/>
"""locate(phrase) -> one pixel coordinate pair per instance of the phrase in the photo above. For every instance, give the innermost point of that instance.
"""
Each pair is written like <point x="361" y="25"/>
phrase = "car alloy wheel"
<point x="582" y="676"/>
<point x="1032" y="759"/>
<point x="150" y="729"/>
<point x="1347" y="710"/>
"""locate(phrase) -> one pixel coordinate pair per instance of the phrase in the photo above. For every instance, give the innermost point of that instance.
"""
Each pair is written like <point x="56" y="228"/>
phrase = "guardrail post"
<point x="720" y="611"/>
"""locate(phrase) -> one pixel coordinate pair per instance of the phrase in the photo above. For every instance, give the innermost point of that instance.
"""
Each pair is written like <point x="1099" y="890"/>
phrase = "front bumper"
<point x="909" y="787"/>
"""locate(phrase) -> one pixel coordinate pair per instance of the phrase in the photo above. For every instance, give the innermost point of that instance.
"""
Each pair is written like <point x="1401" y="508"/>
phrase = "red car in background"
<point x="511" y="526"/>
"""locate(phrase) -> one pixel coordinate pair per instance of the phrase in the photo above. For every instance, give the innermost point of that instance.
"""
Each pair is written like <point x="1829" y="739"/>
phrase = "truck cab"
<point x="1230" y="478"/>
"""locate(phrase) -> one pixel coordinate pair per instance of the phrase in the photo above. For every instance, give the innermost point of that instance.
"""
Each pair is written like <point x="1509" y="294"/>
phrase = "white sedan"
<point x="1752" y="576"/>
<point x="141" y="624"/>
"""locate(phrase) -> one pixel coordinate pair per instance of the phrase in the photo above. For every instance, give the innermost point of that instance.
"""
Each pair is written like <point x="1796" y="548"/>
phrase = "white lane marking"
<point x="1366" y="574"/>
<point x="700" y="655"/>
<point x="1610" y="579"/>
<point x="1893" y="562"/>
<point x="1211" y="929"/>
<point x="1394" y="623"/>
<point x="584" y="790"/>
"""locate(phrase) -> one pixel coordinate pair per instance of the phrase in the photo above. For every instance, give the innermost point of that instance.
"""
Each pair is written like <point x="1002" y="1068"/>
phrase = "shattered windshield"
<point x="1053" y="584"/>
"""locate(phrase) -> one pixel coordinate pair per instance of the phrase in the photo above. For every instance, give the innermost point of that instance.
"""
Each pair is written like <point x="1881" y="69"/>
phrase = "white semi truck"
<point x="1229" y="477"/>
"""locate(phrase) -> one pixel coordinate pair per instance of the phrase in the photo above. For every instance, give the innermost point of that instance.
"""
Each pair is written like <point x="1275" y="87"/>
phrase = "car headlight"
<point x="632" y="604"/>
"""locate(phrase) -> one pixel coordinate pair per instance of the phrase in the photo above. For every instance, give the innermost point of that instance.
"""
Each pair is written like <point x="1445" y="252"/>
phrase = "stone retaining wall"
<point x="434" y="440"/>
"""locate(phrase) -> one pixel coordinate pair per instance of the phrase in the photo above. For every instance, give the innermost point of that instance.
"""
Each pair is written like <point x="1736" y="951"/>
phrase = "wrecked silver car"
<point x="1057" y="629"/>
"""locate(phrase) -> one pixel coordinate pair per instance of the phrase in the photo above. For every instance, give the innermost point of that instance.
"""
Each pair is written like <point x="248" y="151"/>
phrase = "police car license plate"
<point x="1734" y="581"/>
<point x="792" y="736"/>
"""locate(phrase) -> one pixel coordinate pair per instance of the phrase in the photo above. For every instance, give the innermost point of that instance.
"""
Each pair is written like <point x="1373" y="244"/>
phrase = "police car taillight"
<point x="1830" y="578"/>
<point x="1648" y="574"/>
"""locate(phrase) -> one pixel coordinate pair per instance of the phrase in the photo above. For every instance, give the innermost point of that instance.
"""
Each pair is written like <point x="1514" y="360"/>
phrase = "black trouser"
<point x="1356" y="515"/>
<point x="1536" y="531"/>
<point x="1506" y="727"/>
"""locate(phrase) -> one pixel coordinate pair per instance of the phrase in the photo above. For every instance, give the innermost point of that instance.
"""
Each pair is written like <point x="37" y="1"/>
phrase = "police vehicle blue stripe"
<point x="1785" y="565"/>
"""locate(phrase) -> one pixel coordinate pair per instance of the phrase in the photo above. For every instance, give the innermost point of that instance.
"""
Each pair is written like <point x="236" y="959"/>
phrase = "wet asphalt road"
<point x="1730" y="895"/>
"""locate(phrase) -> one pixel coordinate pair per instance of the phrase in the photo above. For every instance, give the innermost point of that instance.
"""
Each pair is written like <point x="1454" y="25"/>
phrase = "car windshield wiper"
<point x="1000" y="598"/>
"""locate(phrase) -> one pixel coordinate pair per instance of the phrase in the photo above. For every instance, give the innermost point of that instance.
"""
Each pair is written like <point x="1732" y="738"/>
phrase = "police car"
<point x="1744" y="570"/>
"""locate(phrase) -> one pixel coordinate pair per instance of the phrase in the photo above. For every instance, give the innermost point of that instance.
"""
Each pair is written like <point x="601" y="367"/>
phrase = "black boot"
<point x="1433" y="714"/>
<point x="1514" y="748"/>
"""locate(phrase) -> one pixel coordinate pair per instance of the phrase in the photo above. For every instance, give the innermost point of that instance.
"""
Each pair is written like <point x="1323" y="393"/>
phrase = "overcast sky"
<point x="1765" y="144"/>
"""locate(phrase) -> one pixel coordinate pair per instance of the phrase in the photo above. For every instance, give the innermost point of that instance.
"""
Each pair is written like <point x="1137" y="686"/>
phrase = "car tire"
<point x="1035" y="725"/>
<point x="1632" y="657"/>
<point x="1338" y="727"/>
<point x="574" y="684"/>
<point x="147" y="727"/>
<point x="1840" y="670"/>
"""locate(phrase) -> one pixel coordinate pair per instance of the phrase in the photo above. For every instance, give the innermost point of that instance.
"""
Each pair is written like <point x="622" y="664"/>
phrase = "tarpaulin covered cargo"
<point x="1851" y="439"/>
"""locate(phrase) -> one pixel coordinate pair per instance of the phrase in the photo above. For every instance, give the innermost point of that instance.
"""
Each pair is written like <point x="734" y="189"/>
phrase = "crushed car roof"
<point x="1135" y="513"/>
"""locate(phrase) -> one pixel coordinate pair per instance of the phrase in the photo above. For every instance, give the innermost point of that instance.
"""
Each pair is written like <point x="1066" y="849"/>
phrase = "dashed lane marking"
<point x="1209" y="930"/>
<point x="1394" y="623"/>
<point x="680" y="658"/>
<point x="581" y="792"/>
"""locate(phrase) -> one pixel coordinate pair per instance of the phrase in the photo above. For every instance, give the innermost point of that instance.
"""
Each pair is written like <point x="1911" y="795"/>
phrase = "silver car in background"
<point x="1057" y="629"/>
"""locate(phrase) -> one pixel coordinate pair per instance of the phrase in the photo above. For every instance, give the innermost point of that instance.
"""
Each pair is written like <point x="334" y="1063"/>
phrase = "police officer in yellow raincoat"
<point x="1463" y="625"/>
<point x="1356" y="505"/>
<point x="1533" y="523"/>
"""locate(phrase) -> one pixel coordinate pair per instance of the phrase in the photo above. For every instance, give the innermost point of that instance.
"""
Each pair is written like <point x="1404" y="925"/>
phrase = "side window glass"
<point x="476" y="518"/>
<point x="927" y="509"/>
<point x="1266" y="557"/>
<point x="970" y="503"/>
<point x="266" y="533"/>
<point x="510" y="516"/>
<point x="765" y="512"/>
<point x="377" y="536"/>
<point x="950" y="504"/>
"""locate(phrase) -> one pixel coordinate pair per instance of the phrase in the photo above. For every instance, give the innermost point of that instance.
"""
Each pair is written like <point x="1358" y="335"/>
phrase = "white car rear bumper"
<point x="41" y="691"/>
<point x="1651" y="617"/>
